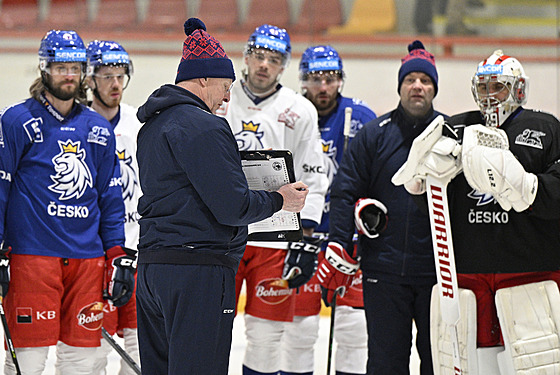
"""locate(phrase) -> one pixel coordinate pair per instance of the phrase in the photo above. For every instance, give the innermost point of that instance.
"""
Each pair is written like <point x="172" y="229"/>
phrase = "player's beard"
<point x="112" y="102"/>
<point x="325" y="102"/>
<point x="63" y="93"/>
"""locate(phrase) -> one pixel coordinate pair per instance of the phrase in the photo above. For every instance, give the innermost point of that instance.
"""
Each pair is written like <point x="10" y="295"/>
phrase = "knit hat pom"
<point x="415" y="45"/>
<point x="203" y="55"/>
<point x="193" y="24"/>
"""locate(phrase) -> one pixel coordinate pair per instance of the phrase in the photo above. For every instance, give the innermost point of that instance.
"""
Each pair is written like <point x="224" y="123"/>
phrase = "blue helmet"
<point x="318" y="59"/>
<point x="272" y="38"/>
<point x="61" y="46"/>
<point x="106" y="52"/>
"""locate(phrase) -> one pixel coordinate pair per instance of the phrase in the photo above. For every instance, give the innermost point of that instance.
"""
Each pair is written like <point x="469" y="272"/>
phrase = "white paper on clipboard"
<point x="269" y="170"/>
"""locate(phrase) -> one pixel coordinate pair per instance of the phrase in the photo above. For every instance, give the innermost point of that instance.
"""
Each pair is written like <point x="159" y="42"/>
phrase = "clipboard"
<point x="268" y="170"/>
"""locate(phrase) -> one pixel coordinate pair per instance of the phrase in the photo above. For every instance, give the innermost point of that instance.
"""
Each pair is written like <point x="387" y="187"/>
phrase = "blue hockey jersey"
<point x="60" y="191"/>
<point x="332" y="129"/>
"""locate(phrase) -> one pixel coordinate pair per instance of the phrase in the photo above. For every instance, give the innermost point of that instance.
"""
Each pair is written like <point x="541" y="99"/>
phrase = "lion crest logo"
<point x="249" y="138"/>
<point x="330" y="151"/>
<point x="72" y="176"/>
<point x="128" y="175"/>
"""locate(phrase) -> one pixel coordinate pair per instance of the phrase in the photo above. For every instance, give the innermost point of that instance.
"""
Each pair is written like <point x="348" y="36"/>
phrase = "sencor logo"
<point x="275" y="44"/>
<point x="324" y="64"/>
<point x="70" y="55"/>
<point x="490" y="69"/>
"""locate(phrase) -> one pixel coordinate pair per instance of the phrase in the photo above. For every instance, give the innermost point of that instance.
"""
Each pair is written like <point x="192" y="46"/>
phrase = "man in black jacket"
<point x="195" y="211"/>
<point x="398" y="265"/>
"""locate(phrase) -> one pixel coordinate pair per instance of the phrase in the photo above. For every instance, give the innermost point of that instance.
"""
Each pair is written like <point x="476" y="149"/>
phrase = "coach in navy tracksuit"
<point x="195" y="211"/>
<point x="398" y="266"/>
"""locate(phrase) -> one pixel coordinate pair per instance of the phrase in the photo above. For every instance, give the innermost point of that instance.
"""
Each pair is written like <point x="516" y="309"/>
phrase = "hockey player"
<point x="322" y="78"/>
<point x="397" y="265"/>
<point x="504" y="212"/>
<point x="108" y="74"/>
<point x="61" y="214"/>
<point x="195" y="209"/>
<point x="264" y="114"/>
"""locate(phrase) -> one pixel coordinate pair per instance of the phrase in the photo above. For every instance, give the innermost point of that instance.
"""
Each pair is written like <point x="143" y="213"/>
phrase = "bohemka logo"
<point x="91" y="316"/>
<point x="273" y="291"/>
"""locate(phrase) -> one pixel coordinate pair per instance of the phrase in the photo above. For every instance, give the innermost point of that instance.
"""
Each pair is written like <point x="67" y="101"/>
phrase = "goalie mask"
<point x="499" y="87"/>
<point x="108" y="53"/>
<point x="370" y="217"/>
<point x="320" y="63"/>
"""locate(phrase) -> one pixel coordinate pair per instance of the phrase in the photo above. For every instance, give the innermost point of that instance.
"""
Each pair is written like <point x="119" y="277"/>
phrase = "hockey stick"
<point x="347" y="125"/>
<point x="346" y="133"/>
<point x="331" y="332"/>
<point x="7" y="336"/>
<point x="124" y="355"/>
<point x="440" y="226"/>
<point x="444" y="257"/>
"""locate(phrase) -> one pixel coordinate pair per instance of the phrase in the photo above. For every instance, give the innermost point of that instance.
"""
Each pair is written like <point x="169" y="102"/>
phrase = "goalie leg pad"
<point x="530" y="319"/>
<point x="440" y="335"/>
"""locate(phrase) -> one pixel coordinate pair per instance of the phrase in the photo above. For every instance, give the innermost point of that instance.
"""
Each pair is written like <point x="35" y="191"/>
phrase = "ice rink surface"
<point x="238" y="350"/>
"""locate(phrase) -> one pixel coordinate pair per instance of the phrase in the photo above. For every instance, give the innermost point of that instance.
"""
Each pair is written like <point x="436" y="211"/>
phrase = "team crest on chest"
<point x="72" y="176"/>
<point x="288" y="118"/>
<point x="531" y="138"/>
<point x="99" y="135"/>
<point x="250" y="137"/>
<point x="481" y="198"/>
<point x="128" y="176"/>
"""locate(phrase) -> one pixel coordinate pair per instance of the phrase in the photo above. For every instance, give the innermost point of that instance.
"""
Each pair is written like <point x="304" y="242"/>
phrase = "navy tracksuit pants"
<point x="390" y="310"/>
<point x="185" y="318"/>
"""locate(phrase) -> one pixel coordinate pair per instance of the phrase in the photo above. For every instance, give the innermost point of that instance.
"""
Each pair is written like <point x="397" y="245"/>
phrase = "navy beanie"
<point x="203" y="55"/>
<point x="418" y="60"/>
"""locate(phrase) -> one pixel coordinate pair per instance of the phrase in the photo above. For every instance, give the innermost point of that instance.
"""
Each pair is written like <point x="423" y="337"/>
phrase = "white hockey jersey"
<point x="126" y="133"/>
<point x="285" y="120"/>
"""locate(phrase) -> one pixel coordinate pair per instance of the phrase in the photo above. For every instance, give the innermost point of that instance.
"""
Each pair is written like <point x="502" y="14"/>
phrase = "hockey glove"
<point x="431" y="153"/>
<point x="336" y="272"/>
<point x="301" y="261"/>
<point x="370" y="217"/>
<point x="120" y="268"/>
<point x="490" y="167"/>
<point x="4" y="269"/>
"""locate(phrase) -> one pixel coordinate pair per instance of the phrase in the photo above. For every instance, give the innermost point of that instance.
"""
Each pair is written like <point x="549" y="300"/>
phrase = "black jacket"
<point x="196" y="204"/>
<point x="403" y="252"/>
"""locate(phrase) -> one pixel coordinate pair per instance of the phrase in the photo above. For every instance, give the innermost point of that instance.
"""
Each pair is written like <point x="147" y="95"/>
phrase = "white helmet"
<point x="499" y="87"/>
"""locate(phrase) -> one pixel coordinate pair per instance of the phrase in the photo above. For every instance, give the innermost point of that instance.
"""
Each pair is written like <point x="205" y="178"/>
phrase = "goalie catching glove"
<point x="4" y="269"/>
<point x="490" y="167"/>
<point x="336" y="272"/>
<point x="370" y="217"/>
<point x="431" y="153"/>
<point x="300" y="263"/>
<point x="120" y="267"/>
